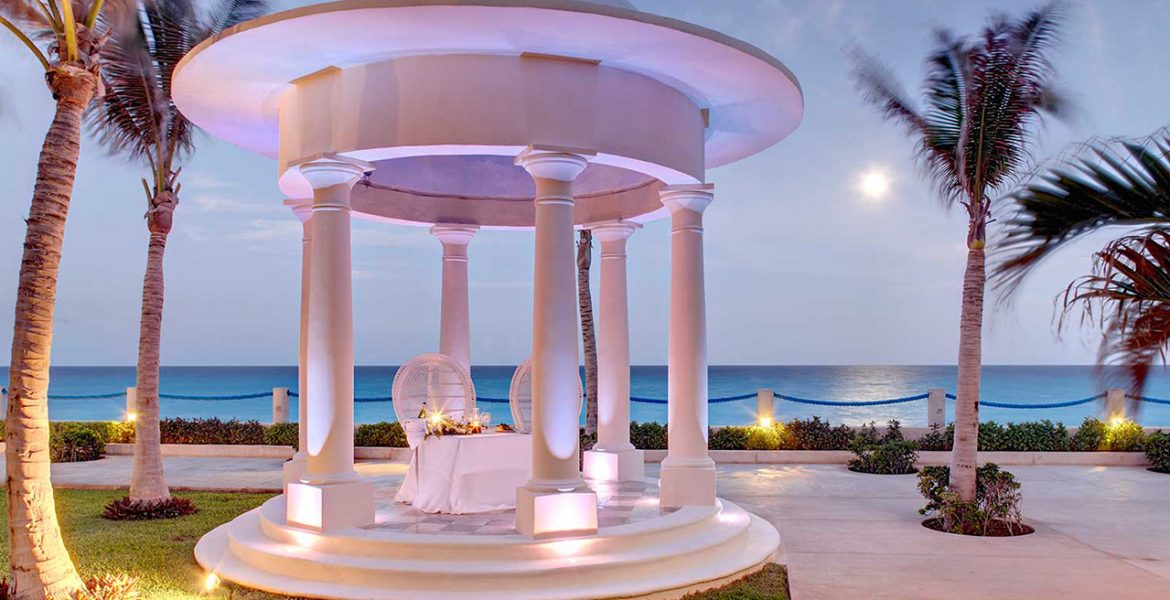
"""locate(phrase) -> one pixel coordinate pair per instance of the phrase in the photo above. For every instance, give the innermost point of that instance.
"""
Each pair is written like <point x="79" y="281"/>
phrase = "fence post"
<point x="936" y="408"/>
<point x="280" y="405"/>
<point x="131" y="404"/>
<point x="1114" y="406"/>
<point x="765" y="407"/>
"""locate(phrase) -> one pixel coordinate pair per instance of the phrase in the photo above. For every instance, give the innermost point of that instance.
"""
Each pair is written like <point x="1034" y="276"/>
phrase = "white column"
<point x="455" y="321"/>
<point x="613" y="458"/>
<point x="688" y="473"/>
<point x="556" y="500"/>
<point x="294" y="469"/>
<point x="331" y="494"/>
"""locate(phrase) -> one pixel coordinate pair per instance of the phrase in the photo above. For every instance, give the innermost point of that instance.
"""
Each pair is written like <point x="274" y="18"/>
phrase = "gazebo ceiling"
<point x="491" y="191"/>
<point x="473" y="177"/>
<point x="438" y="94"/>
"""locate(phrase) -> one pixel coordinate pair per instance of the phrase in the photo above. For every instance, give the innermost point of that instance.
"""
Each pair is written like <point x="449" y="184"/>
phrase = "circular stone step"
<point x="666" y="557"/>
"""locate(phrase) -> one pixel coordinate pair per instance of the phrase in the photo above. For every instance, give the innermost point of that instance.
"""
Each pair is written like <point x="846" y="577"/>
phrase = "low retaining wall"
<point x="757" y="457"/>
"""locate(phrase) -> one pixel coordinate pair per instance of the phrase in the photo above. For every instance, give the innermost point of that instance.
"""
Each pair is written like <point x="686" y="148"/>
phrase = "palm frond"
<point x="881" y="88"/>
<point x="1128" y="295"/>
<point x="1120" y="182"/>
<point x="138" y="118"/>
<point x="230" y="13"/>
<point x="23" y="12"/>
<point x="1011" y="79"/>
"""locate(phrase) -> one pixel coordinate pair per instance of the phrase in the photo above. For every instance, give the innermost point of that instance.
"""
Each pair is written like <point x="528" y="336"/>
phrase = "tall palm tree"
<point x="588" y="333"/>
<point x="138" y="119"/>
<point x="38" y="563"/>
<point x="1110" y="183"/>
<point x="982" y="95"/>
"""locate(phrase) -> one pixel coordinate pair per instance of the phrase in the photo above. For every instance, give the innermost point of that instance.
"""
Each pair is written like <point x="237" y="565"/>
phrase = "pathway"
<point x="1101" y="532"/>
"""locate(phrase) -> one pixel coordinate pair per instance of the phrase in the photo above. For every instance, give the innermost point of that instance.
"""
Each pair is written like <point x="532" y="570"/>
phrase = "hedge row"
<point x="798" y="434"/>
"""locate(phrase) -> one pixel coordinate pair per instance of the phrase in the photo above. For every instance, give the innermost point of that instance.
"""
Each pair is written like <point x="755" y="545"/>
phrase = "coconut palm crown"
<point x="1108" y="183"/>
<point x="982" y="97"/>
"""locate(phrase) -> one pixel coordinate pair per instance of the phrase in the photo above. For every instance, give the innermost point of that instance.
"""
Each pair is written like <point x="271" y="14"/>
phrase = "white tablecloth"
<point x="460" y="474"/>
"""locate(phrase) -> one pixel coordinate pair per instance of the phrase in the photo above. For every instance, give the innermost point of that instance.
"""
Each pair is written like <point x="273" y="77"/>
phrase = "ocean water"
<point x="1013" y="384"/>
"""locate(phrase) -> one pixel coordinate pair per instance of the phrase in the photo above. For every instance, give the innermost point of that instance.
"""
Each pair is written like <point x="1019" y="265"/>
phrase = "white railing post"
<point x="280" y="405"/>
<point x="936" y="408"/>
<point x="1114" y="406"/>
<point x="765" y="407"/>
<point x="131" y="404"/>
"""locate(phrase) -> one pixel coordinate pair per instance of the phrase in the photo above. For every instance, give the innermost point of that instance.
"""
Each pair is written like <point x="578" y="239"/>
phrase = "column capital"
<point x="454" y="234"/>
<point x="301" y="207"/>
<point x="613" y="231"/>
<point x="547" y="162"/>
<point x="695" y="198"/>
<point x="332" y="170"/>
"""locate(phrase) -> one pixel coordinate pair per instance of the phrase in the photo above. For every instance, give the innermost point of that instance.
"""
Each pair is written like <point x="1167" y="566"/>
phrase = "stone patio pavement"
<point x="1101" y="532"/>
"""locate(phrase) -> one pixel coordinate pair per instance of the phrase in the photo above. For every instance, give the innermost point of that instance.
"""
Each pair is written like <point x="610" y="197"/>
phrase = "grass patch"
<point x="771" y="583"/>
<point x="160" y="554"/>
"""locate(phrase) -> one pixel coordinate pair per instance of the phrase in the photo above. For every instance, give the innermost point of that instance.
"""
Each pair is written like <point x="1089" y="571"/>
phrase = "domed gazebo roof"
<point x="445" y="107"/>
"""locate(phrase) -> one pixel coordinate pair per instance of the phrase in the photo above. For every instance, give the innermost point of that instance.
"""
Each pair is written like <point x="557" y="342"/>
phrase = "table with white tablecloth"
<point x="460" y="474"/>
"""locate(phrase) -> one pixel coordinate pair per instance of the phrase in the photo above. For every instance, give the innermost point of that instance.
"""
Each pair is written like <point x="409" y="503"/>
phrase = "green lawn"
<point x="159" y="553"/>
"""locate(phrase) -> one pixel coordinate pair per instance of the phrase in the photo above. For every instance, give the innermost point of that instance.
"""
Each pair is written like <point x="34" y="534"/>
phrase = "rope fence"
<point x="644" y="400"/>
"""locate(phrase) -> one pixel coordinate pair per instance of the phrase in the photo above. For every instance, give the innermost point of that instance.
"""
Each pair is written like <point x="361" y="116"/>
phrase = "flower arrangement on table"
<point x="470" y="422"/>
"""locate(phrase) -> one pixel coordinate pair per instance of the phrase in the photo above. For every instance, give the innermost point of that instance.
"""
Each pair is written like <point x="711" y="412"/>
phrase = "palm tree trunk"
<point x="147" y="482"/>
<point x="38" y="563"/>
<point x="964" y="455"/>
<point x="588" y="336"/>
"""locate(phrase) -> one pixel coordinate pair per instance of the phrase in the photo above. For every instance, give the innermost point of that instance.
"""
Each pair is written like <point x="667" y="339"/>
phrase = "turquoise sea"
<point x="1008" y="384"/>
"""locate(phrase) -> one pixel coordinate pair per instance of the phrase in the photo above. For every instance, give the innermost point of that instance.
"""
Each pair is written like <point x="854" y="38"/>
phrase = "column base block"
<point x="605" y="465"/>
<point x="332" y="506"/>
<point x="293" y="471"/>
<point x="543" y="514"/>
<point x="687" y="484"/>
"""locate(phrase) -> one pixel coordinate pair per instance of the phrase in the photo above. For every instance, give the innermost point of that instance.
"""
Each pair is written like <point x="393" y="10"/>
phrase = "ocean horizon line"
<point x="501" y="365"/>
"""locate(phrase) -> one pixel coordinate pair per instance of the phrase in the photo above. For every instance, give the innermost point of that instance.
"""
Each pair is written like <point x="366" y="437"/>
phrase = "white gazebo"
<point x="543" y="115"/>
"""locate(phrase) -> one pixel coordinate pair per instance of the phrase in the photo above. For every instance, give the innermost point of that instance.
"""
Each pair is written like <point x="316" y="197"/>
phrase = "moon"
<point x="875" y="184"/>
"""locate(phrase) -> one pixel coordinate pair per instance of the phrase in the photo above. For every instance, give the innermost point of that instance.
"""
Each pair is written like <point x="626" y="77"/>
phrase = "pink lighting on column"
<point x="556" y="500"/>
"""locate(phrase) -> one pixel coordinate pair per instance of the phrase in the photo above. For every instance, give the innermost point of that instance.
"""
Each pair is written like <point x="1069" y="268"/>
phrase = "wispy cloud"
<point x="219" y="203"/>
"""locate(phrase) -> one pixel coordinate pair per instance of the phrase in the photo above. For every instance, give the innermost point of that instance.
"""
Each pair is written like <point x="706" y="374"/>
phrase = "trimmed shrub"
<point x="380" y="435"/>
<point x="211" y="431"/>
<point x="648" y="436"/>
<point x="1126" y="436"/>
<point x="727" y="438"/>
<point x="75" y="443"/>
<point x="937" y="438"/>
<point x="1158" y="451"/>
<point x="1036" y="436"/>
<point x="762" y="438"/>
<point x="814" y="434"/>
<point x="889" y="458"/>
<point x="126" y="509"/>
<point x="997" y="498"/>
<point x="1090" y="437"/>
<point x="282" y="434"/>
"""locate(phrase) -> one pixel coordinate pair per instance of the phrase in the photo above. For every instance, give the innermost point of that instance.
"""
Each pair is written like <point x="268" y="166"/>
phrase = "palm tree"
<point x="138" y="119"/>
<point x="588" y="334"/>
<point x="38" y="563"/>
<point x="1109" y="183"/>
<point x="982" y="96"/>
